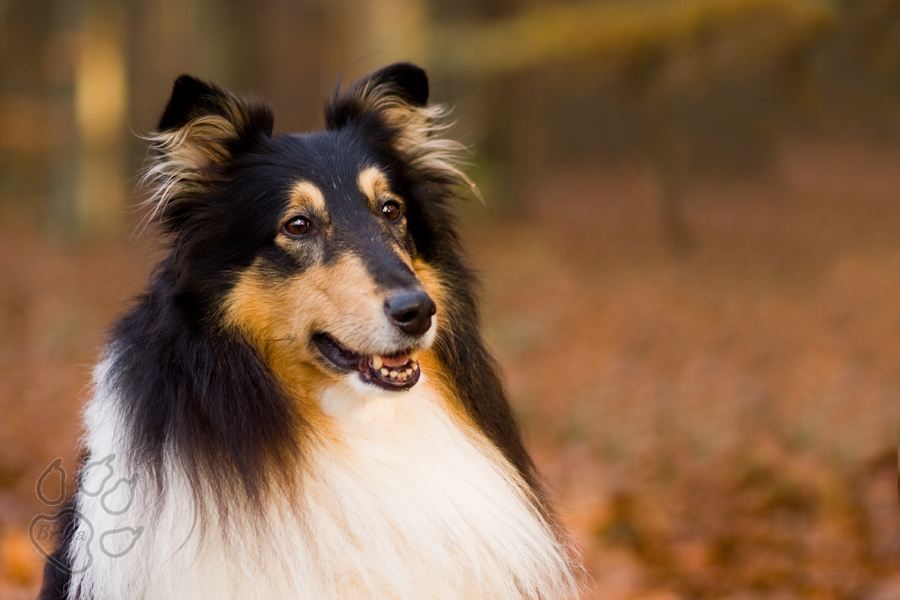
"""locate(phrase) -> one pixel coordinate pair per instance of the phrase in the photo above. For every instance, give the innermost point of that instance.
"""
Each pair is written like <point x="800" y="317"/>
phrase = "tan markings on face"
<point x="306" y="196"/>
<point x="403" y="255"/>
<point x="304" y="199"/>
<point x="373" y="185"/>
<point x="252" y="307"/>
<point x="431" y="283"/>
<point x="279" y="317"/>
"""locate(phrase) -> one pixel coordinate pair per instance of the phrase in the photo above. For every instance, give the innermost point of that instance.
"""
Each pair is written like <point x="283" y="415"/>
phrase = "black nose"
<point x="410" y="310"/>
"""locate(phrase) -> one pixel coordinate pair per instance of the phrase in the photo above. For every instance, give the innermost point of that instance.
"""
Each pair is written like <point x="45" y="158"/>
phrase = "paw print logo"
<point x="98" y="480"/>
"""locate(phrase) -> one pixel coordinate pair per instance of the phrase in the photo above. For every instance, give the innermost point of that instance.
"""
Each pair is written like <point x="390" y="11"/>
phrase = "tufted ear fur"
<point x="397" y="95"/>
<point x="201" y="129"/>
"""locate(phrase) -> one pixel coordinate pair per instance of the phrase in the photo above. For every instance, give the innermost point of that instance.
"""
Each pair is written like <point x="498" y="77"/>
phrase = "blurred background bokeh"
<point x="690" y="252"/>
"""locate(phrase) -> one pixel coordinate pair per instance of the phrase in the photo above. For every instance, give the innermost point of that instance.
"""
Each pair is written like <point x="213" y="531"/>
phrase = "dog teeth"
<point x="400" y="374"/>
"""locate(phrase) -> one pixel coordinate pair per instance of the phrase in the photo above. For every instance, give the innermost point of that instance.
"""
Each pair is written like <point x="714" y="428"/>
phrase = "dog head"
<point x="314" y="247"/>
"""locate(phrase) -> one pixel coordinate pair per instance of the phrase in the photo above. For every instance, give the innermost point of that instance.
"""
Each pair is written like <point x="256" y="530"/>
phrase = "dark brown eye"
<point x="297" y="226"/>
<point x="392" y="210"/>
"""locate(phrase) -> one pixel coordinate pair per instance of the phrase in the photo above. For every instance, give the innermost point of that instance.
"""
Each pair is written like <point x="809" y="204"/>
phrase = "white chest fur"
<point x="399" y="501"/>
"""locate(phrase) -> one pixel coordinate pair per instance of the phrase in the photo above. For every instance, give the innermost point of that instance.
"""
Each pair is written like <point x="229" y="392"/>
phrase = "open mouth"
<point x="396" y="371"/>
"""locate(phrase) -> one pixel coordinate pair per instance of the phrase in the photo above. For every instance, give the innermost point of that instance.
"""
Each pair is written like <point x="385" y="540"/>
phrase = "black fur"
<point x="57" y="570"/>
<point x="192" y="97"/>
<point x="203" y="391"/>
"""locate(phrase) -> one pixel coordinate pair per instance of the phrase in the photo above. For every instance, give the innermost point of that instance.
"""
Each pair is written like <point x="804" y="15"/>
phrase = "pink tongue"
<point x="395" y="361"/>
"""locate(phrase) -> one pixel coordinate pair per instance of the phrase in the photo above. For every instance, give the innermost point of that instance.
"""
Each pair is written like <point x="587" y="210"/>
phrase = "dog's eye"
<point x="392" y="210"/>
<point x="297" y="226"/>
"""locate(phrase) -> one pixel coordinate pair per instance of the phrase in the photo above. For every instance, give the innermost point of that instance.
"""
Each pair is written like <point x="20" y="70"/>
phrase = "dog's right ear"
<point x="201" y="129"/>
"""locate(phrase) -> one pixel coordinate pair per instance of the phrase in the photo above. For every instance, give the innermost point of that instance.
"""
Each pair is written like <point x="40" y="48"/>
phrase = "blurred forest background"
<point x="690" y="252"/>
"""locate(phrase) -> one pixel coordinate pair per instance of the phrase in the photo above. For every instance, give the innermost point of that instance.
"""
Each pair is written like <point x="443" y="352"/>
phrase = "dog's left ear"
<point x="400" y="86"/>
<point x="396" y="96"/>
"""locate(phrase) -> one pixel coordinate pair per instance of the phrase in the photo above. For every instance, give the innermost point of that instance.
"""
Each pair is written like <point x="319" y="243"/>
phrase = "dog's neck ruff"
<point x="399" y="500"/>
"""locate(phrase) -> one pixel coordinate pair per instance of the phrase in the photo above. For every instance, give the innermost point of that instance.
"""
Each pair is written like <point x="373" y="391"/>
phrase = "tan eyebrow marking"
<point x="304" y="194"/>
<point x="372" y="183"/>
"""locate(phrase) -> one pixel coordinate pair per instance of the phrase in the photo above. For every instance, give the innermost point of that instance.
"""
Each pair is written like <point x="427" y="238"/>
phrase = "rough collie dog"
<point x="301" y="405"/>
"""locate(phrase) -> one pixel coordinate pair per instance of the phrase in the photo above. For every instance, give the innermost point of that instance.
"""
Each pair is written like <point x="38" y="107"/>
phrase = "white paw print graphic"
<point x="98" y="479"/>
